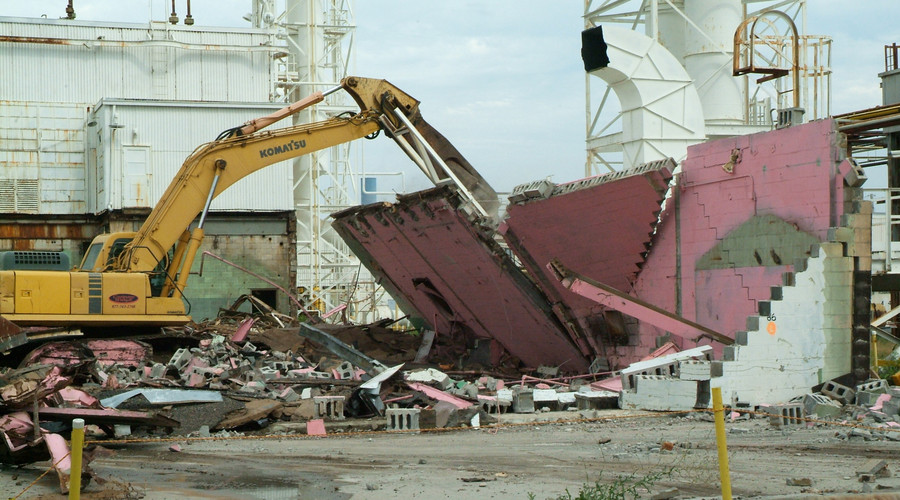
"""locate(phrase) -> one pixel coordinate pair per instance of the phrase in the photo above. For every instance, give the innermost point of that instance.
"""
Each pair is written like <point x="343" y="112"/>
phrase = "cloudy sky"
<point x="503" y="79"/>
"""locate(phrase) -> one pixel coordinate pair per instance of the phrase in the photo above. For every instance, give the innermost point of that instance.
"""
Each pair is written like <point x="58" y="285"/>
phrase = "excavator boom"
<point x="132" y="278"/>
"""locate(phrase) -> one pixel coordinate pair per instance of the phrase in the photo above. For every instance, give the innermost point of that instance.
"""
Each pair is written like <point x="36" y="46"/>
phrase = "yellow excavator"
<point x="139" y="278"/>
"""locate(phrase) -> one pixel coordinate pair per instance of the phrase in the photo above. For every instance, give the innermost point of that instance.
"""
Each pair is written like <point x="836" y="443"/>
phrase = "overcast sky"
<point x="503" y="79"/>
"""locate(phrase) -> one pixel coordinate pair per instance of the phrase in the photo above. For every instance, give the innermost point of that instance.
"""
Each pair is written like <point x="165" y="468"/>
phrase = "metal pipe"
<point x="220" y="165"/>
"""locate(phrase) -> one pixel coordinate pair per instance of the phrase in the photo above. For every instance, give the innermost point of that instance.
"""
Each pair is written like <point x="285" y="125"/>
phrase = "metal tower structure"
<point x="675" y="81"/>
<point x="318" y="35"/>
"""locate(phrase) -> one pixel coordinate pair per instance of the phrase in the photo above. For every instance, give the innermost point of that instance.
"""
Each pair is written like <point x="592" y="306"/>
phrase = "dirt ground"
<point x="525" y="456"/>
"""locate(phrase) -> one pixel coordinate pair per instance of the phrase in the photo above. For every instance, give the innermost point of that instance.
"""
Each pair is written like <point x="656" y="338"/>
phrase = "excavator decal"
<point x="289" y="146"/>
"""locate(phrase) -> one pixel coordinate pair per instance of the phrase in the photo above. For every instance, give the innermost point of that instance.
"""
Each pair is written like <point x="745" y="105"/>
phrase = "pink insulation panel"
<point x="439" y="263"/>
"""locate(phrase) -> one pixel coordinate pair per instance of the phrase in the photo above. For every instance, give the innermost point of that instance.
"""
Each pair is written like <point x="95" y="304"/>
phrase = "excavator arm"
<point x="215" y="166"/>
<point x="119" y="280"/>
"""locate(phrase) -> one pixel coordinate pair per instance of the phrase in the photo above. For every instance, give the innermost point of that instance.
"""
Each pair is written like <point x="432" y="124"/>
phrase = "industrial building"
<point x="97" y="118"/>
<point x="722" y="103"/>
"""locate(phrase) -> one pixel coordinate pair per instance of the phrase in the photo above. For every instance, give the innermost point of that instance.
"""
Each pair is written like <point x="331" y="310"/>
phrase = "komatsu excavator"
<point x="139" y="278"/>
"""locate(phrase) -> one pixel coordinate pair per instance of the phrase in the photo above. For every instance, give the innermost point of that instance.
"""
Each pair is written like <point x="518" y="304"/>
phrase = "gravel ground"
<point x="525" y="455"/>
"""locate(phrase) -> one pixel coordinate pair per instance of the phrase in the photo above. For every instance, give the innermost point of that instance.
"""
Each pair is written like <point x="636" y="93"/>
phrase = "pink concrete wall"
<point x="791" y="174"/>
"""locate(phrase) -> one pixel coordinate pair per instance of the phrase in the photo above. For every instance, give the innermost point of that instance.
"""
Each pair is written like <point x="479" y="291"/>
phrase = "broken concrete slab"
<point x="435" y="259"/>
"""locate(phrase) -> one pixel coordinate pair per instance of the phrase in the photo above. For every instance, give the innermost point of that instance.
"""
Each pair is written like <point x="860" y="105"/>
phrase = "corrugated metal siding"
<point x="158" y="61"/>
<point x="50" y="87"/>
<point x="172" y="131"/>
<point x="42" y="158"/>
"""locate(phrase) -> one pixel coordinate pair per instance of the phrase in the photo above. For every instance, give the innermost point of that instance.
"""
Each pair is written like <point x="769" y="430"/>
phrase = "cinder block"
<point x="494" y="405"/>
<point x="523" y="401"/>
<point x="820" y="406"/>
<point x="180" y="359"/>
<point x="158" y="370"/>
<point x="838" y="392"/>
<point x="752" y="323"/>
<point x="786" y="414"/>
<point x="596" y="400"/>
<point x="658" y="393"/>
<point x="330" y="407"/>
<point x="289" y="395"/>
<point x="664" y="368"/>
<point x="698" y="369"/>
<point x="545" y="398"/>
<point x="866" y="398"/>
<point x="730" y="353"/>
<point x="345" y="371"/>
<point x="269" y="373"/>
<point x="402" y="419"/>
<point x="879" y="386"/>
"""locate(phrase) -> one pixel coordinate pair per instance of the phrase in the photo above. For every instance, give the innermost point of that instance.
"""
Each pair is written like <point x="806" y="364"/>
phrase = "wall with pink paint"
<point x="790" y="178"/>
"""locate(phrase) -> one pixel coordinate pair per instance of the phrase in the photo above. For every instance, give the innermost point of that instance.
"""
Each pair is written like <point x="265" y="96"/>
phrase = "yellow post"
<point x="75" y="459"/>
<point x="719" y="415"/>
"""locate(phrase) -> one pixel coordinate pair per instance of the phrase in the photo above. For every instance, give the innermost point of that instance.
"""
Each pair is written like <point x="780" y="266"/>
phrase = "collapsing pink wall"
<point x="744" y="211"/>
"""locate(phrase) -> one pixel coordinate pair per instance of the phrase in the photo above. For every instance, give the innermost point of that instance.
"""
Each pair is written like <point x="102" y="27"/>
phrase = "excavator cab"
<point x="106" y="248"/>
<point x="103" y="251"/>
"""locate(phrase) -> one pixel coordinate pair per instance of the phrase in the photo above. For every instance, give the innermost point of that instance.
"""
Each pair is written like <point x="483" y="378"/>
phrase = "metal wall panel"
<point x="42" y="158"/>
<point x="57" y="71"/>
<point x="170" y="132"/>
<point x="71" y="61"/>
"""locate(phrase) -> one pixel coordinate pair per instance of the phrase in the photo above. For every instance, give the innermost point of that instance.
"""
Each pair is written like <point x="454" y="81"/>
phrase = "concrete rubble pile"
<point x="248" y="375"/>
<point x="868" y="411"/>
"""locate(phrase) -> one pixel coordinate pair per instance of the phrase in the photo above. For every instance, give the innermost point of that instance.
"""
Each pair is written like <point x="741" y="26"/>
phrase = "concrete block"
<point x="121" y="430"/>
<point x="891" y="407"/>
<point x="493" y="405"/>
<point x="596" y="400"/>
<point x="866" y="398"/>
<point x="658" y="393"/>
<point x="346" y="371"/>
<point x="786" y="414"/>
<point x="565" y="400"/>
<point x="662" y="368"/>
<point x="545" y="398"/>
<point x="838" y="392"/>
<point x="730" y="353"/>
<point x="289" y="395"/>
<point x="330" y="407"/>
<point x="505" y="396"/>
<point x="158" y="370"/>
<point x="180" y="359"/>
<point x="698" y="369"/>
<point x="253" y="386"/>
<point x="879" y="386"/>
<point x="820" y="406"/>
<point x="269" y="373"/>
<point x="523" y="400"/>
<point x="402" y="419"/>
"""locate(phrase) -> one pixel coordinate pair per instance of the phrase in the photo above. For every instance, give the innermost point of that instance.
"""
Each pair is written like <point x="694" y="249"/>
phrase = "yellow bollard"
<point x="719" y="414"/>
<point x="75" y="459"/>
